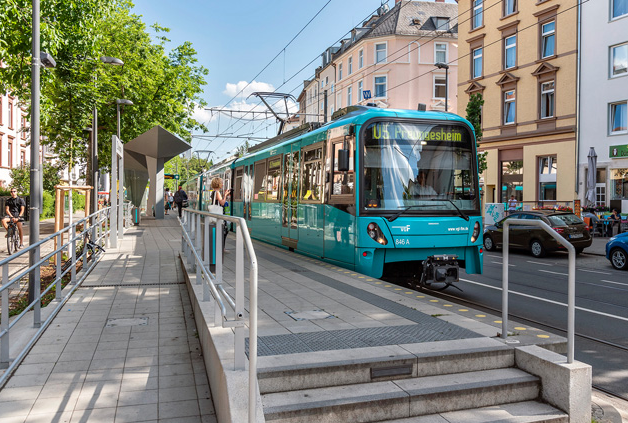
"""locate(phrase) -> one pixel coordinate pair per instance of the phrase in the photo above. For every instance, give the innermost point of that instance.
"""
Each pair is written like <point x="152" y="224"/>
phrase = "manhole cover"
<point x="309" y="315"/>
<point x="117" y="323"/>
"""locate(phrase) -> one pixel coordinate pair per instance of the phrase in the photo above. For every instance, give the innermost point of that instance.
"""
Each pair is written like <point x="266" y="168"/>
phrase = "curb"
<point x="602" y="411"/>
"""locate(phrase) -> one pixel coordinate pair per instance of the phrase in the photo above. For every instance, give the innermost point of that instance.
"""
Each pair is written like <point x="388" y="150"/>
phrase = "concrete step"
<point x="519" y="412"/>
<point x="375" y="364"/>
<point x="381" y="401"/>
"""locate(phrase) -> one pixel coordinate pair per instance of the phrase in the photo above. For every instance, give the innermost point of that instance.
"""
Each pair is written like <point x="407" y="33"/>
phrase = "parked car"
<point x="534" y="238"/>
<point x="617" y="251"/>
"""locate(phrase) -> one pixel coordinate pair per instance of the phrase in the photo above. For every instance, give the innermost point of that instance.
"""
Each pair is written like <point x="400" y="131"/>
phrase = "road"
<point x="538" y="292"/>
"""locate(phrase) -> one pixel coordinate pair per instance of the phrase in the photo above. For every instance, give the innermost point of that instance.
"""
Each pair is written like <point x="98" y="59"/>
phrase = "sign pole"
<point x="113" y="193"/>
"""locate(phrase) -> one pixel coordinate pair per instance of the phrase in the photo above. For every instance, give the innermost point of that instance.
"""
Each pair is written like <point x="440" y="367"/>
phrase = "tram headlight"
<point x="376" y="233"/>
<point x="476" y="232"/>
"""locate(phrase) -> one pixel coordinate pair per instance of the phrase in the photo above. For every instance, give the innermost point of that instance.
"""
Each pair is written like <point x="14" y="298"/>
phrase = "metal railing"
<point x="571" y="279"/>
<point x="192" y="246"/>
<point x="99" y="230"/>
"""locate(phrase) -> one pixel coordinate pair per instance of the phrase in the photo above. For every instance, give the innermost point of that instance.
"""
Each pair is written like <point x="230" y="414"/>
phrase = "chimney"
<point x="439" y="1"/>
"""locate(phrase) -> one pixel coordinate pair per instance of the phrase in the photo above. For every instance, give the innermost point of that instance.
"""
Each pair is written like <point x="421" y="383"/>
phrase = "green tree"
<point x="22" y="178"/>
<point x="474" y="115"/>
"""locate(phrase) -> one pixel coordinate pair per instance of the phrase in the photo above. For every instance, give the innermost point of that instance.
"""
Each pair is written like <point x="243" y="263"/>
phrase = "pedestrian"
<point x="14" y="209"/>
<point x="170" y="199"/>
<point x="512" y="204"/>
<point x="217" y="199"/>
<point x="167" y="205"/>
<point x="179" y="198"/>
<point x="616" y="219"/>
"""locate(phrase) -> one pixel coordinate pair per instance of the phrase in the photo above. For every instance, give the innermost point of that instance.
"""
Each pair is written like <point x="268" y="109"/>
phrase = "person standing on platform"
<point x="179" y="197"/>
<point x="167" y="205"/>
<point x="218" y="199"/>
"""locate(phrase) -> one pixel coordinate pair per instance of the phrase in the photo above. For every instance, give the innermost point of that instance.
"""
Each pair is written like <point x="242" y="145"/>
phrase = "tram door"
<point x="289" y="201"/>
<point x="247" y="188"/>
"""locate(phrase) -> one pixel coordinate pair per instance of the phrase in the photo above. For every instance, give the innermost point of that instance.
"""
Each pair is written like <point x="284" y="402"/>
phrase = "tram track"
<point x="536" y="323"/>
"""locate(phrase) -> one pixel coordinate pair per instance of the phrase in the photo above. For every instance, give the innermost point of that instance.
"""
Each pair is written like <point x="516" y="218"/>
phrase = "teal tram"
<point x="379" y="191"/>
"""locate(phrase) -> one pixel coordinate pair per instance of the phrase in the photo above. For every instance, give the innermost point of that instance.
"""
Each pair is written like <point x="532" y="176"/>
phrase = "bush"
<point x="78" y="201"/>
<point x="48" y="206"/>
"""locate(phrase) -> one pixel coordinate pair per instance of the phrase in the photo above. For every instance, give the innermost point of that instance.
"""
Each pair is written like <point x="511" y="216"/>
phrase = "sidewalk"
<point x="123" y="349"/>
<point x="598" y="247"/>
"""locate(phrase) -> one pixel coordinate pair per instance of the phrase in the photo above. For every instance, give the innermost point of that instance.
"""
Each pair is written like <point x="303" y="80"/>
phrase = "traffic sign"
<point x="366" y="94"/>
<point x="171" y="176"/>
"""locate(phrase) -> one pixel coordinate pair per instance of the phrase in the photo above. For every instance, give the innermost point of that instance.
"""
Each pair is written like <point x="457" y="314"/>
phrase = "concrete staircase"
<point x="470" y="381"/>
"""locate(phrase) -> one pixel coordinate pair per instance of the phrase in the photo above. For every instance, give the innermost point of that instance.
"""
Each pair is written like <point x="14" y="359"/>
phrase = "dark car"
<point x="534" y="238"/>
<point x="617" y="251"/>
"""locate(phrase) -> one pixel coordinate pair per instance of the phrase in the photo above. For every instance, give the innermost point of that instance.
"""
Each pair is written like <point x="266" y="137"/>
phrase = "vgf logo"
<point x="403" y="228"/>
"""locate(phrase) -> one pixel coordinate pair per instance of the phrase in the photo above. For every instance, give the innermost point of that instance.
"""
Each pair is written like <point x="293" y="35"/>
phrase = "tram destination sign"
<point x="411" y="132"/>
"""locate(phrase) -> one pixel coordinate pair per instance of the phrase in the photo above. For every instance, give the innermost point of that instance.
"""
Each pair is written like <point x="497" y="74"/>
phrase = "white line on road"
<point x="538" y="262"/>
<point x="618" y="283"/>
<point x="490" y="255"/>
<point x="498" y="262"/>
<point x="594" y="271"/>
<point x="546" y="300"/>
<point x="555" y="273"/>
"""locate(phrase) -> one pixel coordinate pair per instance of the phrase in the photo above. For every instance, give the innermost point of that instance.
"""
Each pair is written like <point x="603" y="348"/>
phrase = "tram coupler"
<point x="440" y="269"/>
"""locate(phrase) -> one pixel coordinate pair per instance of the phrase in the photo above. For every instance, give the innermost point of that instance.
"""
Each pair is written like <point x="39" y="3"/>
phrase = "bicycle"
<point x="13" y="236"/>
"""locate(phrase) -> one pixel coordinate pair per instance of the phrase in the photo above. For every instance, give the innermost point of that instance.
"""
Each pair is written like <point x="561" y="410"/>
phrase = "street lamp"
<point x="94" y="144"/>
<point x="441" y="65"/>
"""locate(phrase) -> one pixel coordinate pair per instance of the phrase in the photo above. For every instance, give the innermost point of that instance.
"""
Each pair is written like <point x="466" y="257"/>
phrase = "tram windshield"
<point x="419" y="166"/>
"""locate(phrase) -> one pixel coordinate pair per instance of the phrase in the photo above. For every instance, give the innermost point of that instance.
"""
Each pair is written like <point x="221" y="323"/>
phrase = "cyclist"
<point x="14" y="209"/>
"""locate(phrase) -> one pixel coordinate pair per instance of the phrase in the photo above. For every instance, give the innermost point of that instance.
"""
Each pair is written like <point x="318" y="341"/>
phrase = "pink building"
<point x="392" y="57"/>
<point x="14" y="136"/>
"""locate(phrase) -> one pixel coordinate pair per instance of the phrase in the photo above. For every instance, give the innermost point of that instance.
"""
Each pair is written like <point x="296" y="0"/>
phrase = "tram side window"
<point x="272" y="179"/>
<point x="342" y="182"/>
<point x="312" y="175"/>
<point x="259" y="188"/>
<point x="237" y="192"/>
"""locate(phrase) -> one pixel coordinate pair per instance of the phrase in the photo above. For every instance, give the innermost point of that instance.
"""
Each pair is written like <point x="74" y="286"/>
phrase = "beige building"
<point x="522" y="57"/>
<point x="390" y="61"/>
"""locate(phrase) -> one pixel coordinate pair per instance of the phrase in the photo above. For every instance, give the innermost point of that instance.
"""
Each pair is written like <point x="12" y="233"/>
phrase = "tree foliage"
<point x="164" y="86"/>
<point x="474" y="115"/>
<point x="21" y="177"/>
<point x="185" y="168"/>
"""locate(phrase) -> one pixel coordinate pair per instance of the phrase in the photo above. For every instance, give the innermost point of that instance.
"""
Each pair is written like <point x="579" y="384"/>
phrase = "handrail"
<point x="191" y="242"/>
<point x="571" y="279"/>
<point x="99" y="236"/>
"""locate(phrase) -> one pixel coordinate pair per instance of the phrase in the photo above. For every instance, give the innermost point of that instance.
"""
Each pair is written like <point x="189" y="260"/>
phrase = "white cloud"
<point x="234" y="89"/>
<point x="201" y="115"/>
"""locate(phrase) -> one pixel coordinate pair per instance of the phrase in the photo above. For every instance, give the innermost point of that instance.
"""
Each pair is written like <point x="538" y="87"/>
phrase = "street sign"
<point x="171" y="176"/>
<point x="366" y="94"/>
<point x="119" y="147"/>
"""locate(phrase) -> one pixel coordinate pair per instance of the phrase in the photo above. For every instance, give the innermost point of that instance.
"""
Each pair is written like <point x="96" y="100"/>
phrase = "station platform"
<point x="128" y="346"/>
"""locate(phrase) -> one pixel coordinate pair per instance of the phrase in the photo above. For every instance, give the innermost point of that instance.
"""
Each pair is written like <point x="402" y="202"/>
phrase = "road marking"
<point x="594" y="271"/>
<point x="538" y="262"/>
<point x="555" y="273"/>
<point x="546" y="300"/>
<point x="497" y="262"/>
<point x="490" y="255"/>
<point x="618" y="283"/>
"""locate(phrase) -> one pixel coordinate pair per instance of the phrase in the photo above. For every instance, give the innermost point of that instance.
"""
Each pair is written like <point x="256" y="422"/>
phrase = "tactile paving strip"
<point x="427" y="329"/>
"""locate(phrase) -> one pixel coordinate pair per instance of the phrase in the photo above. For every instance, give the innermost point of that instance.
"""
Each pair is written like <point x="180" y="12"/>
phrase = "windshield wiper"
<point x="405" y="209"/>
<point x="464" y="216"/>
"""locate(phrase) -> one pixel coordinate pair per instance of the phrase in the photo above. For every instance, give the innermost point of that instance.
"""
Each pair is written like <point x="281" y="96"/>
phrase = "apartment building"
<point x="604" y="99"/>
<point x="390" y="61"/>
<point x="14" y="136"/>
<point x="522" y="56"/>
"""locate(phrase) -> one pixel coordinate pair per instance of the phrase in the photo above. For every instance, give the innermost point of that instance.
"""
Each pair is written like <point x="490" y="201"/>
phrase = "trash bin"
<point x="135" y="215"/>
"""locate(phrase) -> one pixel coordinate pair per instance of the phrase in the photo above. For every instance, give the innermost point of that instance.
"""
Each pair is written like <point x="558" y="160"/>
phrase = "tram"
<point x="382" y="192"/>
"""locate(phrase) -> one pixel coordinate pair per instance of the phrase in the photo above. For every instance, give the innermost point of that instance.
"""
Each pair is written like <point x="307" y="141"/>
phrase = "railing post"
<point x="240" y="357"/>
<point x="505" y="280"/>
<point x="197" y="234"/>
<point x="107" y="232"/>
<point x="37" y="293"/>
<point x="59" y="271"/>
<point x="4" y="326"/>
<point x="219" y="249"/>
<point x="571" y="305"/>
<point x="207" y="243"/>
<point x="72" y="233"/>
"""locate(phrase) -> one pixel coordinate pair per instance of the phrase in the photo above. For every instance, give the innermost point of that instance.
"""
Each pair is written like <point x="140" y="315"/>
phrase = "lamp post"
<point x="39" y="59"/>
<point x="441" y="65"/>
<point x="94" y="144"/>
<point x="120" y="217"/>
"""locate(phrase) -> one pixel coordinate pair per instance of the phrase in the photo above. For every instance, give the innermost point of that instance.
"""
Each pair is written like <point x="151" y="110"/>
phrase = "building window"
<point x="339" y="100"/>
<point x="349" y="100"/>
<point x="10" y="115"/>
<point x="22" y="157"/>
<point x="618" y="119"/>
<point x="23" y="127"/>
<point x="619" y="184"/>
<point x="10" y="152"/>
<point x="339" y="72"/>
<point x="509" y="107"/>
<point x="477" y="62"/>
<point x="360" y="59"/>
<point x="512" y="180"/>
<point x="619" y="60"/>
<point x="380" y="86"/>
<point x="440" y="53"/>
<point x="440" y="88"/>
<point x="547" y="99"/>
<point x="360" y="90"/>
<point x="510" y="7"/>
<point x="350" y="66"/>
<point x="548" y="39"/>
<point x="380" y="53"/>
<point x="478" y="14"/>
<point x="1" y="111"/>
<point x="441" y="24"/>
<point x="510" y="52"/>
<point x="548" y="166"/>
<point x="332" y="88"/>
<point x="619" y="8"/>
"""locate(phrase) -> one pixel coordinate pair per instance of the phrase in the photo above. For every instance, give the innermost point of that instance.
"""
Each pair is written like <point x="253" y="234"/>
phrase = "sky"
<point x="235" y="41"/>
